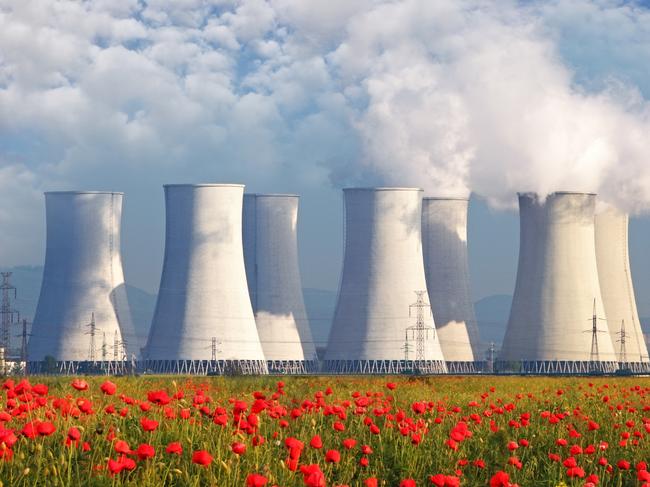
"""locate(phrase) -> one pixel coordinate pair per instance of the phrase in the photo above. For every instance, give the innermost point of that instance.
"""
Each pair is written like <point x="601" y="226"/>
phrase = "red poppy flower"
<point x="121" y="446"/>
<point x="45" y="428"/>
<point x="349" y="443"/>
<point x="407" y="483"/>
<point x="500" y="479"/>
<point x="174" y="448"/>
<point x="108" y="388"/>
<point x="332" y="456"/>
<point x="256" y="480"/>
<point x="148" y="424"/>
<point x="79" y="384"/>
<point x="316" y="442"/>
<point x="145" y="451"/>
<point x="202" y="457"/>
<point x="238" y="448"/>
<point x="313" y="476"/>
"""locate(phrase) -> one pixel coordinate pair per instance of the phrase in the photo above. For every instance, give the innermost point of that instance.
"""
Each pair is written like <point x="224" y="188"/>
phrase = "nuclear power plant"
<point x="203" y="322"/>
<point x="83" y="317"/>
<point x="444" y="245"/>
<point x="274" y="284"/>
<point x="231" y="301"/>
<point x="557" y="322"/>
<point x="618" y="291"/>
<point x="375" y="329"/>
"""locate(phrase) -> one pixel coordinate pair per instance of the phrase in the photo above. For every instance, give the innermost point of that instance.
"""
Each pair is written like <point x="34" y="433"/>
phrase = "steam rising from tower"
<point x="203" y="320"/>
<point x="444" y="245"/>
<point x="82" y="279"/>
<point x="557" y="289"/>
<point x="382" y="270"/>
<point x="273" y="276"/>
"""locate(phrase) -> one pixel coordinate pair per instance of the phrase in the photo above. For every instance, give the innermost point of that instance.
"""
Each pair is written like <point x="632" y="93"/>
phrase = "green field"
<point x="397" y="428"/>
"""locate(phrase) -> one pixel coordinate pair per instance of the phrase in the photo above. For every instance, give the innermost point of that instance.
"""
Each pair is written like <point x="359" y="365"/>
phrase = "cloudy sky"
<point x="459" y="98"/>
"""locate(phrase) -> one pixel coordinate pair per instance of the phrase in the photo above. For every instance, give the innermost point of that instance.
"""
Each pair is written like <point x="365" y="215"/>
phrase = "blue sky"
<point x="487" y="98"/>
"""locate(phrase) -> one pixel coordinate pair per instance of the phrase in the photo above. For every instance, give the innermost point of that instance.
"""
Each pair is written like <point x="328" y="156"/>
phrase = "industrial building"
<point x="615" y="275"/>
<point x="557" y="322"/>
<point x="382" y="323"/>
<point x="203" y="322"/>
<point x="82" y="320"/>
<point x="274" y="283"/>
<point x="444" y="245"/>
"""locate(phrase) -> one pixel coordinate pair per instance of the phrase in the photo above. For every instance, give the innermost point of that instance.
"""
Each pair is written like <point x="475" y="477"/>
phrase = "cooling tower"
<point x="618" y="291"/>
<point x="82" y="280"/>
<point x="444" y="245"/>
<point x="373" y="327"/>
<point x="203" y="322"/>
<point x="550" y="329"/>
<point x="274" y="284"/>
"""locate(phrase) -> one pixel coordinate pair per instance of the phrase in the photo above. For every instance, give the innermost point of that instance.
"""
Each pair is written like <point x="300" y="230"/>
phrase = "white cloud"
<point x="453" y="96"/>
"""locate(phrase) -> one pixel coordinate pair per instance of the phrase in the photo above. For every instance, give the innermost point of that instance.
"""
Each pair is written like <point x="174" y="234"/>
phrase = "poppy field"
<point x="325" y="431"/>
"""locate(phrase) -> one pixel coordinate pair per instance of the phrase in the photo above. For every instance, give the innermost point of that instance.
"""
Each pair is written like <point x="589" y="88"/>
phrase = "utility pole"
<point x="116" y="344"/>
<point x="623" y="355"/>
<point x="214" y="348"/>
<point x="104" y="347"/>
<point x="420" y="331"/>
<point x="594" y="357"/>
<point x="92" y="330"/>
<point x="7" y="311"/>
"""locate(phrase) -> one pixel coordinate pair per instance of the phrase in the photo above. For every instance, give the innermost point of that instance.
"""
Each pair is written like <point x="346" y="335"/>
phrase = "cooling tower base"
<point x="634" y="367"/>
<point x="474" y="367"/>
<point x="75" y="367"/>
<point x="384" y="367"/>
<point x="206" y="367"/>
<point x="555" y="367"/>
<point x="293" y="367"/>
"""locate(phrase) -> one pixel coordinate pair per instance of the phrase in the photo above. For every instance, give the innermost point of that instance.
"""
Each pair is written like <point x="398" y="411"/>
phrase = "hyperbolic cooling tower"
<point x="444" y="244"/>
<point x="82" y="280"/>
<point x="550" y="325"/>
<point x="274" y="284"/>
<point x="382" y="271"/>
<point x="617" y="288"/>
<point x="203" y="320"/>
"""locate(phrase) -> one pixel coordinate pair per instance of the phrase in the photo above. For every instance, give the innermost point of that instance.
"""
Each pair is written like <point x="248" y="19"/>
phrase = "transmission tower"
<point x="420" y="331"/>
<point x="491" y="353"/>
<point x="214" y="348"/>
<point x="92" y="330"/>
<point x="406" y="347"/>
<point x="623" y="355"/>
<point x="9" y="314"/>
<point x="594" y="357"/>
<point x="116" y="347"/>
<point x="23" y="343"/>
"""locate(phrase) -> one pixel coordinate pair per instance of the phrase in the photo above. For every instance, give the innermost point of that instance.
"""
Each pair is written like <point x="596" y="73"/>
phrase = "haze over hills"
<point x="491" y="312"/>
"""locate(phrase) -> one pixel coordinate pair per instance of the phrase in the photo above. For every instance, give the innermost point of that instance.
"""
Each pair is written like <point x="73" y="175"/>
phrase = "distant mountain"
<point x="492" y="314"/>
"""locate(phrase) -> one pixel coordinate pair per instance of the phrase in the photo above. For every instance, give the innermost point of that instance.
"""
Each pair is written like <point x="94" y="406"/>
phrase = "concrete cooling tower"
<point x="444" y="245"/>
<point x="83" y="315"/>
<point x="203" y="322"/>
<point x="618" y="291"/>
<point x="550" y="329"/>
<point x="274" y="284"/>
<point x="374" y="326"/>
